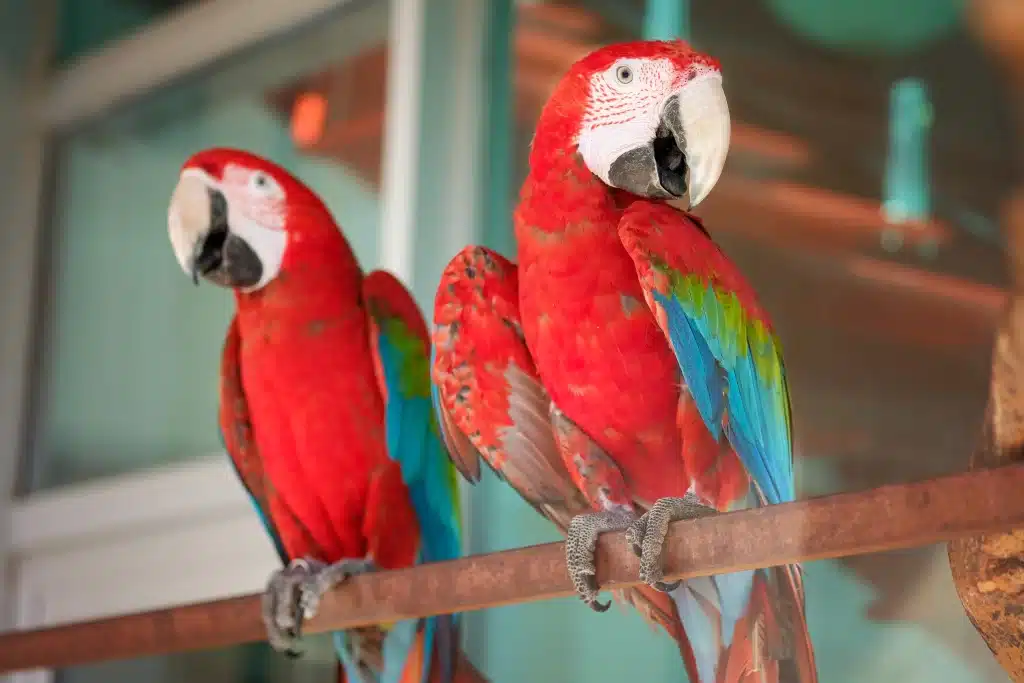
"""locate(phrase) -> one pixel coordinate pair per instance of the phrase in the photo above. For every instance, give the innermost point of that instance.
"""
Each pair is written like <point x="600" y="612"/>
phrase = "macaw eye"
<point x="261" y="183"/>
<point x="624" y="75"/>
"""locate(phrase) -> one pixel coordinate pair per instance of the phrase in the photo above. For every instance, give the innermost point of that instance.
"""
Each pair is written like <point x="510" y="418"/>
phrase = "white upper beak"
<point x="704" y="114"/>
<point x="188" y="216"/>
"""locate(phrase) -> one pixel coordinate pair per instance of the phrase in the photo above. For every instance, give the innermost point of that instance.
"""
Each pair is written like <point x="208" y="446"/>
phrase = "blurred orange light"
<point x="309" y="116"/>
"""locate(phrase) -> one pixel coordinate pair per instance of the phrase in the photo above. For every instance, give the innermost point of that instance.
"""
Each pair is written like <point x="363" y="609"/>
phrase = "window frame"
<point x="81" y="533"/>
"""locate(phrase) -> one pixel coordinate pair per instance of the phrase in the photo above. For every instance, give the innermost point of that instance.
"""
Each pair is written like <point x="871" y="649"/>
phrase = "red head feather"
<point x="562" y="116"/>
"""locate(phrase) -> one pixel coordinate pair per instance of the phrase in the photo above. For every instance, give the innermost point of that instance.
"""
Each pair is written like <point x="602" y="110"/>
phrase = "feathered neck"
<point x="318" y="282"/>
<point x="561" y="195"/>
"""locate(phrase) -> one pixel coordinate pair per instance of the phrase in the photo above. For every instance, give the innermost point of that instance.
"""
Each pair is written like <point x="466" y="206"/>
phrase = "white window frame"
<point x="186" y="532"/>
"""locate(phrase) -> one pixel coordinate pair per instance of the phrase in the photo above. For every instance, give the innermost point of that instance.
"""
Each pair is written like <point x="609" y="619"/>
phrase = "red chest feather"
<point x="597" y="347"/>
<point x="317" y="418"/>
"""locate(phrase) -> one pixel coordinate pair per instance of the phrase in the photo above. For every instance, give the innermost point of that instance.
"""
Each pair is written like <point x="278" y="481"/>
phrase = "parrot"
<point x="325" y="408"/>
<point x="626" y="344"/>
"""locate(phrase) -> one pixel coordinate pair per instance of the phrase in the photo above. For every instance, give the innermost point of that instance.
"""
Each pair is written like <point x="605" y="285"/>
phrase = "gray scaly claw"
<point x="281" y="605"/>
<point x="580" y="548"/>
<point x="326" y="578"/>
<point x="646" y="536"/>
<point x="293" y="595"/>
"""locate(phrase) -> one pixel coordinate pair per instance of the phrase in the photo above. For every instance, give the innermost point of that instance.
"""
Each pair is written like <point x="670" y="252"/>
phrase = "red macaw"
<point x="664" y="386"/>
<point x="325" y="407"/>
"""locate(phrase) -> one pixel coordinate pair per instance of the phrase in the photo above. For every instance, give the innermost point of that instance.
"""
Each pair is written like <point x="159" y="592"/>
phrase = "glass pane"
<point x="85" y="26"/>
<point x="887" y="328"/>
<point x="255" y="663"/>
<point x="130" y="358"/>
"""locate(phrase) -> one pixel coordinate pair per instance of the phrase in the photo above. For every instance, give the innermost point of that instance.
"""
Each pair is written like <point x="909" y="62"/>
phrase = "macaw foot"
<point x="647" y="535"/>
<point x="581" y="547"/>
<point x="293" y="595"/>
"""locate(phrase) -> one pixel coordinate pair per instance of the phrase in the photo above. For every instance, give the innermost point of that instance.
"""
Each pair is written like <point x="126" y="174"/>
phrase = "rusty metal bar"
<point x="886" y="518"/>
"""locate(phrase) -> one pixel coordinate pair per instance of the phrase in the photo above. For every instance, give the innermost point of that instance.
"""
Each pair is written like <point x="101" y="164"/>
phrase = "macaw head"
<point x="236" y="219"/>
<point x="648" y="117"/>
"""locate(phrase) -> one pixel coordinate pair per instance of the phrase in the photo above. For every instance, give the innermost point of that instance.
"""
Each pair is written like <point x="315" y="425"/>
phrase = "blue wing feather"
<point x="721" y="370"/>
<point x="699" y="368"/>
<point x="414" y="440"/>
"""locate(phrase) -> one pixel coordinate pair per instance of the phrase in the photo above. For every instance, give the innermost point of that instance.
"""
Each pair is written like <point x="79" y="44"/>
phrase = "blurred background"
<point x="872" y="148"/>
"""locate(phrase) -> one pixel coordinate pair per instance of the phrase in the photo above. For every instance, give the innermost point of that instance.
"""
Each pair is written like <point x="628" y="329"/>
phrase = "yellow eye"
<point x="624" y="74"/>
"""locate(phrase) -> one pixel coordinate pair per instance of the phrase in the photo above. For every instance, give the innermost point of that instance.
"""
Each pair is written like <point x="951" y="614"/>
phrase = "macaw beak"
<point x="695" y="125"/>
<point x="687" y="152"/>
<point x="203" y="242"/>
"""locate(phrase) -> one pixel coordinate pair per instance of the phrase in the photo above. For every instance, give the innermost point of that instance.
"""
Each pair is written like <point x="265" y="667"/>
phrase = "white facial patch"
<point x="623" y="111"/>
<point x="256" y="213"/>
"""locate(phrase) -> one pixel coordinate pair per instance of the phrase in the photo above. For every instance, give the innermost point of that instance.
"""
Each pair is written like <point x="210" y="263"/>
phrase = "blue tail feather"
<point x="727" y="594"/>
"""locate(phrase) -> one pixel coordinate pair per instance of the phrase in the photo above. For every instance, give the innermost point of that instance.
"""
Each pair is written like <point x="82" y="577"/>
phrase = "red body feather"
<point x="318" y="418"/>
<point x="591" y="334"/>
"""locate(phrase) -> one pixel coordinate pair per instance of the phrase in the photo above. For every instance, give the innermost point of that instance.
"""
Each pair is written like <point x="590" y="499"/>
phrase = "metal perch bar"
<point x="886" y="518"/>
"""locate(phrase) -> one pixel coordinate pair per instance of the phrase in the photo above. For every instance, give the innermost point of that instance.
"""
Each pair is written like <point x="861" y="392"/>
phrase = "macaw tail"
<point x="423" y="651"/>
<point x="746" y="627"/>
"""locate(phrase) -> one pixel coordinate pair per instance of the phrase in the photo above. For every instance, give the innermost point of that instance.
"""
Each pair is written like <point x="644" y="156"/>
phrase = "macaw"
<point x="663" y="378"/>
<point x="325" y="408"/>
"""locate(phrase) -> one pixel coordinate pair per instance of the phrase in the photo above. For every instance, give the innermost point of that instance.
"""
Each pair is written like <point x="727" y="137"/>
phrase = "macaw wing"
<point x="486" y="391"/>
<point x="401" y="348"/>
<point x="237" y="437"/>
<point x="728" y="353"/>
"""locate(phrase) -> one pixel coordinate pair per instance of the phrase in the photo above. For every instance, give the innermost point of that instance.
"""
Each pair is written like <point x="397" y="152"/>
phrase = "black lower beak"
<point x="210" y="253"/>
<point x="221" y="256"/>
<point x="669" y="142"/>
<point x="657" y="168"/>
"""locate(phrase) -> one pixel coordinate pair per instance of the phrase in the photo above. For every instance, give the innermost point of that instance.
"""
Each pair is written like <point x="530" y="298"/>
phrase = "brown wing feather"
<point x="490" y="401"/>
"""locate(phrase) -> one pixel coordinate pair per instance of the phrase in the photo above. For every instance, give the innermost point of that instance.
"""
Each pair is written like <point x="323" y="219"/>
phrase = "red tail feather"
<point x="759" y="651"/>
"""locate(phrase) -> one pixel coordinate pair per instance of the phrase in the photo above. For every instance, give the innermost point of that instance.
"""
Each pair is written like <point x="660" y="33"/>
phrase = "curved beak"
<point x="697" y="117"/>
<point x="204" y="245"/>
<point x="687" y="153"/>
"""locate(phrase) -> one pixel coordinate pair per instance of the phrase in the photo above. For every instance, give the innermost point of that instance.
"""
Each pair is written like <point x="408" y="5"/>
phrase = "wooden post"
<point x="988" y="569"/>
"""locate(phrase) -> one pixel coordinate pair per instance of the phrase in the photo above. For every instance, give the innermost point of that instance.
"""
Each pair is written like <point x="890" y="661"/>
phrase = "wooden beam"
<point x="805" y="217"/>
<point x="887" y="518"/>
